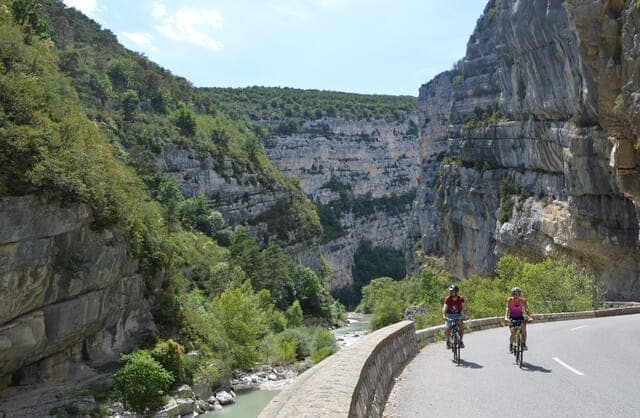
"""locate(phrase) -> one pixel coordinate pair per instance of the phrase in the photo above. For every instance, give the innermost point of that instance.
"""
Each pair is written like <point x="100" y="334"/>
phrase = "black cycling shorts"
<point x="516" y="322"/>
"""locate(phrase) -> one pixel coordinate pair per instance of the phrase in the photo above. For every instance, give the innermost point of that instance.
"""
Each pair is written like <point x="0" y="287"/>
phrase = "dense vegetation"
<point x="141" y="107"/>
<point x="271" y="104"/>
<point x="82" y="121"/>
<point x="553" y="285"/>
<point x="369" y="263"/>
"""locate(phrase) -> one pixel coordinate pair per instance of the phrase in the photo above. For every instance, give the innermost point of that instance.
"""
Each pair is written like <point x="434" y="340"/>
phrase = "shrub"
<point x="386" y="311"/>
<point x="299" y="337"/>
<point x="321" y="354"/>
<point x="170" y="355"/>
<point x="294" y="314"/>
<point x="322" y="338"/>
<point x="142" y="382"/>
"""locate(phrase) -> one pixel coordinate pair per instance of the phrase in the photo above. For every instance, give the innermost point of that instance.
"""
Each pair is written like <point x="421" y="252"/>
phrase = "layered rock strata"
<point x="529" y="145"/>
<point x="369" y="158"/>
<point x="68" y="293"/>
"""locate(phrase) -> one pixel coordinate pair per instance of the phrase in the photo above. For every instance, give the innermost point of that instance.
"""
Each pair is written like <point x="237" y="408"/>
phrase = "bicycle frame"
<point x="517" y="344"/>
<point x="455" y="341"/>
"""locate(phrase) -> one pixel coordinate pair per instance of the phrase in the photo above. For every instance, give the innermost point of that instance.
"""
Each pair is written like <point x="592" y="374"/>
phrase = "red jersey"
<point x="454" y="306"/>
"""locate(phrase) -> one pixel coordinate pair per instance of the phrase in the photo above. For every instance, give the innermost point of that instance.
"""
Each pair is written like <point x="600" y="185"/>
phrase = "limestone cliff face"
<point x="530" y="146"/>
<point x="372" y="158"/>
<point x="265" y="208"/>
<point x="67" y="293"/>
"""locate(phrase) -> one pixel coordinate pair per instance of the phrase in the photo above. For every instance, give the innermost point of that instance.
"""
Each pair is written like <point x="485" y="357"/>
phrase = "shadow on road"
<point x="533" y="368"/>
<point x="470" y="364"/>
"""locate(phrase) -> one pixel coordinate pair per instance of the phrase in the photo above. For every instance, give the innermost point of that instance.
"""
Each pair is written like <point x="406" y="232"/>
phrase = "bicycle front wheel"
<point x="455" y="347"/>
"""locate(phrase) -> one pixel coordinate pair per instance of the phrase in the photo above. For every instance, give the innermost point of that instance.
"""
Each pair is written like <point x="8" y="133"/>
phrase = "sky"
<point x="359" y="46"/>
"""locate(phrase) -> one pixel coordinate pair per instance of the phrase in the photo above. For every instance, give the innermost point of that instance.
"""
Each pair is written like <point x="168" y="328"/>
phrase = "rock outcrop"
<point x="530" y="146"/>
<point x="271" y="211"/>
<point x="69" y="294"/>
<point x="372" y="159"/>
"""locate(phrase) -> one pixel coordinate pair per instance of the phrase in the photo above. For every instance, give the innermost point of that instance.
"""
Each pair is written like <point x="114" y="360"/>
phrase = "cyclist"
<point x="454" y="309"/>
<point x="514" y="314"/>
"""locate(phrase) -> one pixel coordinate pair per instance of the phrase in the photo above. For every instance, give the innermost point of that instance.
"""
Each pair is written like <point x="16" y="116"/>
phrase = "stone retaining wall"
<point x="356" y="381"/>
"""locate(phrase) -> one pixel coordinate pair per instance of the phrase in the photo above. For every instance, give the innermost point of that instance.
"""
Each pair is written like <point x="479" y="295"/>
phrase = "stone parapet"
<point x="356" y="381"/>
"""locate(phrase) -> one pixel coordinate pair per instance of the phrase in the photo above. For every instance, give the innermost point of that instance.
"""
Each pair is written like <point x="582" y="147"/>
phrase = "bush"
<point x="294" y="314"/>
<point x="322" y="338"/>
<point x="321" y="354"/>
<point x="298" y="336"/>
<point x="142" y="382"/>
<point x="386" y="311"/>
<point x="170" y="354"/>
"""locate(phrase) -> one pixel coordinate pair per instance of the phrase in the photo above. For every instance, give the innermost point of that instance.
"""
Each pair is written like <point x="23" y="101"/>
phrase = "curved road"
<point x="580" y="368"/>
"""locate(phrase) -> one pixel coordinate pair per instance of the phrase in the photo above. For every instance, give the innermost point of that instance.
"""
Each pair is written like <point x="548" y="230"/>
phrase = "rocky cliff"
<point x="530" y="146"/>
<point x="371" y="159"/>
<point x="69" y="295"/>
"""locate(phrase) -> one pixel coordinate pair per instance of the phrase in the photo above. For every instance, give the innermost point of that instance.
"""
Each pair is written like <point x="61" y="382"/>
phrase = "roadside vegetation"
<point x="552" y="285"/>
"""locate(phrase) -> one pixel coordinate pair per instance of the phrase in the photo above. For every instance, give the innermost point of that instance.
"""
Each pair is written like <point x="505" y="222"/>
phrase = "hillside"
<point x="105" y="248"/>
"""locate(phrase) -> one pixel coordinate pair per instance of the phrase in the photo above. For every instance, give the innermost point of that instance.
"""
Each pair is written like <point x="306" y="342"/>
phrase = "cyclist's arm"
<point x="525" y="305"/>
<point x="444" y="311"/>
<point x="464" y="310"/>
<point x="506" y="312"/>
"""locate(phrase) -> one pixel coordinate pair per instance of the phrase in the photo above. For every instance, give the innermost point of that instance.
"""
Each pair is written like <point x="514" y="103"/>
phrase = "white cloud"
<point x="189" y="25"/>
<point x="85" y="6"/>
<point x="143" y="40"/>
<point x="159" y="10"/>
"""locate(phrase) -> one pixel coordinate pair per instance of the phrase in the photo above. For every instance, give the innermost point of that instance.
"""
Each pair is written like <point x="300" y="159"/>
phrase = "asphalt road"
<point x="580" y="368"/>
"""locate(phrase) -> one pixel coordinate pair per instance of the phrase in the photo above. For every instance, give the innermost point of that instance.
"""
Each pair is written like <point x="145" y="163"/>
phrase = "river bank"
<point x="254" y="395"/>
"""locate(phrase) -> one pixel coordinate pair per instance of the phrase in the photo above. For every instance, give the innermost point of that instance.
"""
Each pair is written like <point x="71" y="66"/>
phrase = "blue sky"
<point x="360" y="46"/>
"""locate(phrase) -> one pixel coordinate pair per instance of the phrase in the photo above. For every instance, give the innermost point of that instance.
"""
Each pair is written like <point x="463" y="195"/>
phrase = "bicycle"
<point x="516" y="347"/>
<point x="454" y="340"/>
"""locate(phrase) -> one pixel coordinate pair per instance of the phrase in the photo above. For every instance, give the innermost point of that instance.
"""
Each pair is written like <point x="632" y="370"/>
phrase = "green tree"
<point x="185" y="120"/>
<point x="195" y="214"/>
<point x="310" y="292"/>
<point x="387" y="310"/>
<point x="294" y="314"/>
<point x="142" y="382"/>
<point x="130" y="103"/>
<point x="170" y="355"/>
<point x="276" y="276"/>
<point x="27" y="12"/>
<point x="242" y="324"/>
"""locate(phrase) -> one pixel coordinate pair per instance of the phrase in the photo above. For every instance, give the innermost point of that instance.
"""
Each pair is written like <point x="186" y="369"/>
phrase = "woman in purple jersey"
<point x="516" y="307"/>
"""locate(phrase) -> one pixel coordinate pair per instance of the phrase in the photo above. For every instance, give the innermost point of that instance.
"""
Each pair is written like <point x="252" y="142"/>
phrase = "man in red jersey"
<point x="454" y="310"/>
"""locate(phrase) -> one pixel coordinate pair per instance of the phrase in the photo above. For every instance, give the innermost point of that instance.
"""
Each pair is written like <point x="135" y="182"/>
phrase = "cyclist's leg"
<point x="523" y="329"/>
<point x="447" y="331"/>
<point x="512" y="336"/>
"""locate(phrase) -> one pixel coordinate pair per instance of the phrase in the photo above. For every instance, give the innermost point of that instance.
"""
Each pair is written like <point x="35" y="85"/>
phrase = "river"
<point x="249" y="404"/>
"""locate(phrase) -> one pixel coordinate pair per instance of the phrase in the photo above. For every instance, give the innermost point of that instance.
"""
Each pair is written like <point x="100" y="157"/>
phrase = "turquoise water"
<point x="247" y="405"/>
<point x="359" y="324"/>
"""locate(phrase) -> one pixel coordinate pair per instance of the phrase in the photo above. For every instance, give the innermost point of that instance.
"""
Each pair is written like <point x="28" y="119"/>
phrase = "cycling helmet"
<point x="516" y="291"/>
<point x="454" y="288"/>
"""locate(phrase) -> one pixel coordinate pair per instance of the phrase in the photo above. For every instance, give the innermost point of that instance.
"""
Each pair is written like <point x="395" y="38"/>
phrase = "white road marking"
<point x="580" y="327"/>
<point x="562" y="363"/>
